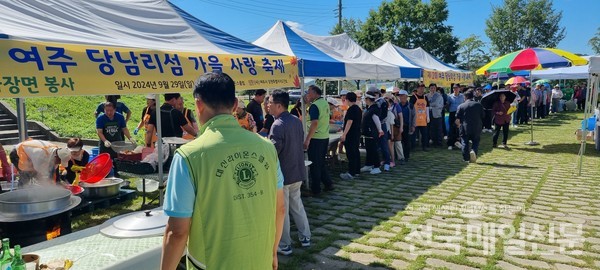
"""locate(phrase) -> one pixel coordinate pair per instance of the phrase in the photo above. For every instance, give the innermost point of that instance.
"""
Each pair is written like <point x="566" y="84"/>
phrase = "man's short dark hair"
<point x="351" y="96"/>
<point x="469" y="94"/>
<point x="171" y="96"/>
<point x="109" y="104"/>
<point x="316" y="89"/>
<point x="216" y="90"/>
<point x="281" y="97"/>
<point x="260" y="92"/>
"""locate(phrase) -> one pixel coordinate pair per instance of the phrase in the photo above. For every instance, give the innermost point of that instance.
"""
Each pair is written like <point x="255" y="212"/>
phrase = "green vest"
<point x="234" y="173"/>
<point x="323" y="127"/>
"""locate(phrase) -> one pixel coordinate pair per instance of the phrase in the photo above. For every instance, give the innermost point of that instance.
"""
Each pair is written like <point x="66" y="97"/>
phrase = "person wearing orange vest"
<point x="146" y="113"/>
<point x="421" y="104"/>
<point x="37" y="160"/>
<point x="244" y="118"/>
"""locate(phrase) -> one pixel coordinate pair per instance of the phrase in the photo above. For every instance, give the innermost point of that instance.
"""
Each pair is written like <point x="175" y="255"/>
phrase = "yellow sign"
<point x="37" y="69"/>
<point x="446" y="78"/>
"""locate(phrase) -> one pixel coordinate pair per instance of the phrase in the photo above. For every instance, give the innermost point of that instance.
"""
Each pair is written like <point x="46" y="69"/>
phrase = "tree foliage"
<point x="519" y="24"/>
<point x="411" y="24"/>
<point x="595" y="42"/>
<point x="349" y="26"/>
<point x="472" y="53"/>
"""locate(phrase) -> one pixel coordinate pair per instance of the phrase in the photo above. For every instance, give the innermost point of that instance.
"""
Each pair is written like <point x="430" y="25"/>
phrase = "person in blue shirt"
<point x="454" y="99"/>
<point x="120" y="107"/>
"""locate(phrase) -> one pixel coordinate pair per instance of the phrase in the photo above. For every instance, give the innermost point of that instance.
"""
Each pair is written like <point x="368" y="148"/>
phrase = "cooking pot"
<point x="34" y="200"/>
<point x="106" y="187"/>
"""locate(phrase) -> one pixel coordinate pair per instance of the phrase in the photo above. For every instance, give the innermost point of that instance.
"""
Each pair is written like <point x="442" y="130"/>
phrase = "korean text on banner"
<point x="446" y="78"/>
<point x="36" y="69"/>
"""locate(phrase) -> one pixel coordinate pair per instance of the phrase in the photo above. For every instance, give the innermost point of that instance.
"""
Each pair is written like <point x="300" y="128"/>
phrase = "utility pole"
<point x="340" y="13"/>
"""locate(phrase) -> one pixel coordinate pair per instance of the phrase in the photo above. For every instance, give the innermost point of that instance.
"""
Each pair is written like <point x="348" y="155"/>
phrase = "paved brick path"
<point x="522" y="208"/>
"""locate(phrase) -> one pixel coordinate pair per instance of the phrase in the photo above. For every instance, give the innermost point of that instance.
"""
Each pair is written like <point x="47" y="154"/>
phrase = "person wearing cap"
<point x="189" y="118"/>
<point x="409" y="121"/>
<point x="393" y="124"/>
<point x="317" y="140"/>
<point x="172" y="121"/>
<point x="111" y="127"/>
<point x="244" y="118"/>
<point x="371" y="133"/>
<point x="421" y="104"/>
<point x="38" y="160"/>
<point x="557" y="94"/>
<point x="79" y="157"/>
<point x="335" y="115"/>
<point x="146" y="113"/>
<point x="120" y="107"/>
<point x="384" y="146"/>
<point x="454" y="100"/>
<point x="436" y="120"/>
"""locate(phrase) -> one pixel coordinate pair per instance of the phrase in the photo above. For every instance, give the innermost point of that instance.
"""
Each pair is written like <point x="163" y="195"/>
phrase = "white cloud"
<point x="295" y="25"/>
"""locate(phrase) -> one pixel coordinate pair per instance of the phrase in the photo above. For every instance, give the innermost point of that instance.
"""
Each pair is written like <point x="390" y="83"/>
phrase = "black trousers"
<point x="504" y="133"/>
<point x="406" y="142"/>
<point x="317" y="149"/>
<point x="424" y="136"/>
<point x="487" y="120"/>
<point x="522" y="113"/>
<point x="435" y="130"/>
<point x="372" y="152"/>
<point x="353" y="155"/>
<point x="453" y="130"/>
<point x="541" y="111"/>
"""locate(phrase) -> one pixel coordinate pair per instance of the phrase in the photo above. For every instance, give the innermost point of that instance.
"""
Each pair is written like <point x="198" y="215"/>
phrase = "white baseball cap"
<point x="343" y="92"/>
<point x="65" y="155"/>
<point x="403" y="92"/>
<point x="150" y="96"/>
<point x="333" y="101"/>
<point x="241" y="104"/>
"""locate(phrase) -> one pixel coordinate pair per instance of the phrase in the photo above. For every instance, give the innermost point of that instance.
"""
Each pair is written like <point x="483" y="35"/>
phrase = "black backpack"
<point x="383" y="109"/>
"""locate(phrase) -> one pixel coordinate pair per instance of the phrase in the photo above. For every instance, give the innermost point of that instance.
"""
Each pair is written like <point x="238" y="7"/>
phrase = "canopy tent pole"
<point x="21" y="119"/>
<point x="161" y="182"/>
<point x="304" y="115"/>
<point x="532" y="142"/>
<point x="590" y="101"/>
<point x="325" y="88"/>
<point x="339" y="87"/>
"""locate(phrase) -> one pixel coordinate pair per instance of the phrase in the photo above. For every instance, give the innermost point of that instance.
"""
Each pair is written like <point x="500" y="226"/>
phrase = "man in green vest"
<point x="224" y="195"/>
<point x="317" y="140"/>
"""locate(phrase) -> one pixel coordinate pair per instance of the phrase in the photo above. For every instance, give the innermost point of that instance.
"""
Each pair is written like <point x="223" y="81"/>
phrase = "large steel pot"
<point x="34" y="200"/>
<point x="106" y="187"/>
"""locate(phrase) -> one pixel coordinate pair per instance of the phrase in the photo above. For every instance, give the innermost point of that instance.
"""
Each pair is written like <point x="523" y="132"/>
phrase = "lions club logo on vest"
<point x="245" y="174"/>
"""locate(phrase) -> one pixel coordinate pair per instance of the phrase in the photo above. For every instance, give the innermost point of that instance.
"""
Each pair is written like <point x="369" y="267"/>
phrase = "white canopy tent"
<point x="566" y="73"/>
<point x="83" y="33"/>
<point x="412" y="57"/>
<point x="591" y="101"/>
<point x="330" y="57"/>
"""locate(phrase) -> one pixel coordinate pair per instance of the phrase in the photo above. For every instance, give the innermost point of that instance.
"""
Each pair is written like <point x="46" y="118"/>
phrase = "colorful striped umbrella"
<point x="515" y="80"/>
<point x="532" y="58"/>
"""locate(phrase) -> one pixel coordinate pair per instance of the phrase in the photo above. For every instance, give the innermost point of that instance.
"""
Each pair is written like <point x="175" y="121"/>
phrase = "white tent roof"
<point x="327" y="56"/>
<point x="412" y="57"/>
<point x="594" y="64"/>
<point x="148" y="24"/>
<point x="575" y="72"/>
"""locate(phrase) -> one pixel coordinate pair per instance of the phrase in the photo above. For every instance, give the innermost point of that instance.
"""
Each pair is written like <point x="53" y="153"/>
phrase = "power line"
<point x="258" y="12"/>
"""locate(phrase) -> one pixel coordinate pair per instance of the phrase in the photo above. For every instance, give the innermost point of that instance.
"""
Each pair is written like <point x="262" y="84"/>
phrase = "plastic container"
<point x="591" y="123"/>
<point x="95" y="151"/>
<point x="151" y="185"/>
